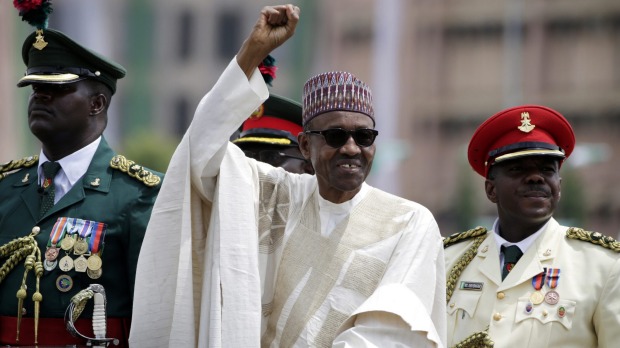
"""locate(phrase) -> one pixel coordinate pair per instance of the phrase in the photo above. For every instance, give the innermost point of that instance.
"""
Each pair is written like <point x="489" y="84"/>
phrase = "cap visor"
<point x="524" y="153"/>
<point x="275" y="141"/>
<point x="51" y="78"/>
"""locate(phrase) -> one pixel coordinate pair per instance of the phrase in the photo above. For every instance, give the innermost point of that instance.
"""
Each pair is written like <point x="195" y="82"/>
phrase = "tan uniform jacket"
<point x="589" y="289"/>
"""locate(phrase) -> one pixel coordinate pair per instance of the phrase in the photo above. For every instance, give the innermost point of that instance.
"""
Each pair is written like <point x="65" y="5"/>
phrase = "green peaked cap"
<point x="52" y="57"/>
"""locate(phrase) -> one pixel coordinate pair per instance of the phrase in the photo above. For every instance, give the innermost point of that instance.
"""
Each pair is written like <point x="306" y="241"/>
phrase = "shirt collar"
<point x="523" y="245"/>
<point x="344" y="207"/>
<point x="74" y="165"/>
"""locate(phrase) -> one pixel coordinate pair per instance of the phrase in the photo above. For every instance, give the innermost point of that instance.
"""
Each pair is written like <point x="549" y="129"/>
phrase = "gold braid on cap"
<point x="134" y="170"/>
<point x="594" y="238"/>
<point x="15" y="251"/>
<point x="8" y="167"/>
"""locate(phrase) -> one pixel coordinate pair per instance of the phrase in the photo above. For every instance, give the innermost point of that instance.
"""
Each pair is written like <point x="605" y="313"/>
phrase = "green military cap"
<point x="52" y="57"/>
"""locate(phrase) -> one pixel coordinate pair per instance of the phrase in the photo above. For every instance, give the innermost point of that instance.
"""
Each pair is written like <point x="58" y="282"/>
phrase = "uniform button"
<point x="497" y="316"/>
<point x="452" y="305"/>
<point x="500" y="295"/>
<point x="545" y="313"/>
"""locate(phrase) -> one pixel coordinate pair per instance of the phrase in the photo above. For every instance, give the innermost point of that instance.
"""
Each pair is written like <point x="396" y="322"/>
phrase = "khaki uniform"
<point x="588" y="311"/>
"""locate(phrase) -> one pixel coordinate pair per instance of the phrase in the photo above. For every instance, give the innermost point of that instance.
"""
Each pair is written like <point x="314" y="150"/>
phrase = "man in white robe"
<point x="241" y="254"/>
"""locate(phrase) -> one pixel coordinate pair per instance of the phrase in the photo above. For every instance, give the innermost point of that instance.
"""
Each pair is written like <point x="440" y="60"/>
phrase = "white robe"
<point x="202" y="281"/>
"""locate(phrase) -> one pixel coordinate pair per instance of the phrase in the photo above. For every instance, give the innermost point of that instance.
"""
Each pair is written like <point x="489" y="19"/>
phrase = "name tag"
<point x="475" y="286"/>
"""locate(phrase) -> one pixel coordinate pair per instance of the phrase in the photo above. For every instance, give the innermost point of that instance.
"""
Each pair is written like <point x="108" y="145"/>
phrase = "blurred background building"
<point x="437" y="69"/>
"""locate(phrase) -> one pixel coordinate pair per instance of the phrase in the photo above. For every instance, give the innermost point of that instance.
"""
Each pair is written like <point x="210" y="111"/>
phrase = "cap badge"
<point x="40" y="43"/>
<point x="526" y="125"/>
<point x="258" y="113"/>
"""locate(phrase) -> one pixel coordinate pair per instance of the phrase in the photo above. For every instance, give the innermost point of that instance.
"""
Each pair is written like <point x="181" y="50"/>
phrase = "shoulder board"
<point x="135" y="170"/>
<point x="463" y="236"/>
<point x="17" y="164"/>
<point x="594" y="238"/>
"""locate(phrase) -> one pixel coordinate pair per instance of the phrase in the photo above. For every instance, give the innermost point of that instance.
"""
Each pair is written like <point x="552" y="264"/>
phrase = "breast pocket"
<point x="562" y="312"/>
<point x="461" y="310"/>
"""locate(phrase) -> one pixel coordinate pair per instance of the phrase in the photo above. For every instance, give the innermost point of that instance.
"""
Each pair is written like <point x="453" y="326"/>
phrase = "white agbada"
<point x="236" y="255"/>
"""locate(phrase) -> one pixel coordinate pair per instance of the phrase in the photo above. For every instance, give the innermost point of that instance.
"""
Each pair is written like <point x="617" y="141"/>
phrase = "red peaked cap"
<point x="277" y="121"/>
<point x="526" y="130"/>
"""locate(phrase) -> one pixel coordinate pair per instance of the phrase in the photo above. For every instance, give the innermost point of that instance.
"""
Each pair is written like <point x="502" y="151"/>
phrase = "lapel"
<point x="97" y="178"/>
<point x="30" y="195"/>
<point x="545" y="248"/>
<point x="488" y="258"/>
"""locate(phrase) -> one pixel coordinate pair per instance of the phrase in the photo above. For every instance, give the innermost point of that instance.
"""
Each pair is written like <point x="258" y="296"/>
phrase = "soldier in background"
<point x="270" y="135"/>
<point x="529" y="282"/>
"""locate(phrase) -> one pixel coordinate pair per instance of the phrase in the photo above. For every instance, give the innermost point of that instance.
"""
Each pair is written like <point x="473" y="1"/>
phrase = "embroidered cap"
<point x="277" y="121"/>
<point x="336" y="90"/>
<point x="526" y="130"/>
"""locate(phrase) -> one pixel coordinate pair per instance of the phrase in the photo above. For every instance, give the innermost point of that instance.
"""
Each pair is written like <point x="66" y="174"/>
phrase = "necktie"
<point x="50" y="169"/>
<point x="512" y="254"/>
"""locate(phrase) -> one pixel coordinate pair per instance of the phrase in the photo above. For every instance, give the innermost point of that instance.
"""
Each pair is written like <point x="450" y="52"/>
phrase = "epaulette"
<point x="135" y="170"/>
<point x="10" y="166"/>
<point x="594" y="238"/>
<point x="463" y="236"/>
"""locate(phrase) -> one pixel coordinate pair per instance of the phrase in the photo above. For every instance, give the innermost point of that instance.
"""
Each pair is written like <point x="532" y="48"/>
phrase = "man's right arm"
<point x="237" y="93"/>
<point x="218" y="114"/>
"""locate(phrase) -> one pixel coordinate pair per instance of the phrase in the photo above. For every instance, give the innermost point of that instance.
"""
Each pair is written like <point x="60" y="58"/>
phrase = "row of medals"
<point x="92" y="265"/>
<point x="551" y="297"/>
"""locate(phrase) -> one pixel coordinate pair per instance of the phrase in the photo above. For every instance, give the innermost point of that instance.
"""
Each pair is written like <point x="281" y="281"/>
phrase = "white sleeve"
<point x="412" y="291"/>
<point x="380" y="330"/>
<point x="221" y="111"/>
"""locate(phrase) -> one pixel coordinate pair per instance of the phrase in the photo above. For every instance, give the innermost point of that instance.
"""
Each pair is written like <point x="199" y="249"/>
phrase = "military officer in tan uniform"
<point x="529" y="282"/>
<point x="76" y="214"/>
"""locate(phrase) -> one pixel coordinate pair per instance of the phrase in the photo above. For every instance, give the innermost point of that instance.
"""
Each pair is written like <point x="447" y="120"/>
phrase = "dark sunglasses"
<point x="274" y="157"/>
<point x="337" y="137"/>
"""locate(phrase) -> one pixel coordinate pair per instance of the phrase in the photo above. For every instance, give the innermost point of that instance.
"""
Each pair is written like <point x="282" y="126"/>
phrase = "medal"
<point x="80" y="264"/>
<point x="537" y="297"/>
<point x="94" y="262"/>
<point x="66" y="263"/>
<point x="95" y="242"/>
<point x="51" y="254"/>
<point x="537" y="283"/>
<point x="50" y="265"/>
<point x="84" y="229"/>
<point x="553" y="279"/>
<point x="552" y="297"/>
<point x="56" y="235"/>
<point x="94" y="274"/>
<point x="64" y="283"/>
<point x="528" y="308"/>
<point x="71" y="227"/>
<point x="561" y="312"/>
<point x="80" y="247"/>
<point x="67" y="243"/>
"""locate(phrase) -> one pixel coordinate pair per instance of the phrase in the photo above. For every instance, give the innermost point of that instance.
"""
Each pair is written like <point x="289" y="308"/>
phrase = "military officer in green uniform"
<point x="76" y="214"/>
<point x="529" y="281"/>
